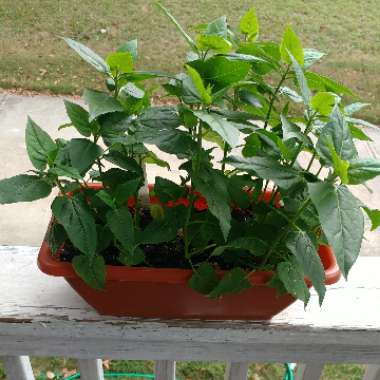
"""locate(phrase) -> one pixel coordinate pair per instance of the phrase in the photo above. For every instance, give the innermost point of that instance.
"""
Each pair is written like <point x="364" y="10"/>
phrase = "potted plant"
<point x="247" y="228"/>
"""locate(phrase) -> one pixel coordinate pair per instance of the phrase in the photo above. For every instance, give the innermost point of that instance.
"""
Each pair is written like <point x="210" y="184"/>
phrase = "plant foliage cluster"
<point x="256" y="105"/>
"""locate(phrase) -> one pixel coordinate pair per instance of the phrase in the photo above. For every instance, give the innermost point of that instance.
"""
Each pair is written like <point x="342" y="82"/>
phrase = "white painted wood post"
<point x="309" y="371"/>
<point x="165" y="370"/>
<point x="91" y="369"/>
<point x="372" y="372"/>
<point x="18" y="368"/>
<point x="236" y="371"/>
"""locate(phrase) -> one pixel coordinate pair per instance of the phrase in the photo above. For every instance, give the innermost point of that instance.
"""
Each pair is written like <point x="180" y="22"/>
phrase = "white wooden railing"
<point x="42" y="316"/>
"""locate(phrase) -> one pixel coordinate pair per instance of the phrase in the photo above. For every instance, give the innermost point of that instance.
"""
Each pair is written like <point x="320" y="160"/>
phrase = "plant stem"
<point x="311" y="161"/>
<point x="274" y="96"/>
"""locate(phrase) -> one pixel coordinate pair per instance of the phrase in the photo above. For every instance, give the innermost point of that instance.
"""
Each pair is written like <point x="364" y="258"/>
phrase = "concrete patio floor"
<point x="25" y="223"/>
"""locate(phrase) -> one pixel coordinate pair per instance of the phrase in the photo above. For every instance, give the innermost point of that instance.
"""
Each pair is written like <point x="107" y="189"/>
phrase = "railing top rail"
<point x="45" y="314"/>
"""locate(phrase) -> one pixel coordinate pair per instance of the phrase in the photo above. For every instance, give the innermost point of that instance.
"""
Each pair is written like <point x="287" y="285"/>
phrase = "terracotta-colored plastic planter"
<point x="163" y="293"/>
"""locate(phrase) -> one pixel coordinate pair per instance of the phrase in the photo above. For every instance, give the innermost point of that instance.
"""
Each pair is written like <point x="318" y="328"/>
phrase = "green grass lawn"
<point x="33" y="57"/>
<point x="191" y="370"/>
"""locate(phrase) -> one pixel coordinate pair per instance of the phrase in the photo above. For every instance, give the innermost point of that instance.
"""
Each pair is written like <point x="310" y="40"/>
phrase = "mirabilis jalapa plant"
<point x="254" y="208"/>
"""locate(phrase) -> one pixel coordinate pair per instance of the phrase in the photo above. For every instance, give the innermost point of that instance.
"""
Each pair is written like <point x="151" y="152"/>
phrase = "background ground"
<point x="34" y="57"/>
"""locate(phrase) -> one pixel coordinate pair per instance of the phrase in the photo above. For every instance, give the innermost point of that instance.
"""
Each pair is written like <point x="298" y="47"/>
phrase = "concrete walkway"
<point x="25" y="223"/>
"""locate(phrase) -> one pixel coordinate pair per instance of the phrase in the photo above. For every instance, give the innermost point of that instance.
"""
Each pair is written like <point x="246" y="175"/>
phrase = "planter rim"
<point x="52" y="266"/>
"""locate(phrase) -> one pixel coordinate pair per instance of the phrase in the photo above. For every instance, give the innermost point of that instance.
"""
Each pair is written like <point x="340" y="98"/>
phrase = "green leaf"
<point x="358" y="133"/>
<point x="322" y="83"/>
<point x="291" y="275"/>
<point x="134" y="256"/>
<point x="249" y="25"/>
<point x="160" y="117"/>
<point x="291" y="44"/>
<point x="131" y="47"/>
<point x="362" y="170"/>
<point x="56" y="237"/>
<point x="354" y="108"/>
<point x="235" y="281"/>
<point x="301" y="80"/>
<point x="341" y="219"/>
<point x="120" y="223"/>
<point x="312" y="56"/>
<point x="226" y="129"/>
<point x="291" y="130"/>
<point x="23" y="188"/>
<point x="123" y="161"/>
<point x="267" y="168"/>
<point x="83" y="154"/>
<point x="106" y="198"/>
<point x="66" y="171"/>
<point x="167" y="190"/>
<point x="338" y="133"/>
<point x="221" y="72"/>
<point x="252" y="145"/>
<point x="38" y="144"/>
<point x="88" y="55"/>
<point x="204" y="279"/>
<point x="212" y="185"/>
<point x="291" y="94"/>
<point x="304" y="250"/>
<point x="126" y="190"/>
<point x="213" y="42"/>
<point x="100" y="103"/>
<point x="75" y="216"/>
<point x="130" y="89"/>
<point x="323" y="103"/>
<point x="120" y="62"/>
<point x="91" y="269"/>
<point x="374" y="216"/>
<point x="217" y="27"/>
<point x="203" y="92"/>
<point x="340" y="166"/>
<point x="152" y="158"/>
<point x="188" y="39"/>
<point x="159" y="231"/>
<point x="361" y="122"/>
<point x="79" y="118"/>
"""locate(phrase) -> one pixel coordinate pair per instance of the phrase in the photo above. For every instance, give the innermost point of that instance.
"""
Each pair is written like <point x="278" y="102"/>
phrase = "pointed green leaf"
<point x="358" y="133"/>
<point x="291" y="275"/>
<point x="92" y="270"/>
<point x="354" y="108"/>
<point x="83" y="154"/>
<point x="235" y="281"/>
<point x="39" y="145"/>
<point x="224" y="128"/>
<point x="291" y="44"/>
<point x="23" y="188"/>
<point x="342" y="221"/>
<point x="120" y="62"/>
<point x="66" y="171"/>
<point x="100" y="103"/>
<point x="267" y="168"/>
<point x="323" y="102"/>
<point x="204" y="279"/>
<point x="212" y="185"/>
<point x="79" y="118"/>
<point x="218" y="27"/>
<point x="338" y="133"/>
<point x="304" y="250"/>
<point x="120" y="222"/>
<point x="213" y="42"/>
<point x="312" y="56"/>
<point x="131" y="47"/>
<point x="362" y="170"/>
<point x="204" y="94"/>
<point x="374" y="216"/>
<point x="301" y="80"/>
<point x="76" y="218"/>
<point x="88" y="55"/>
<point x="249" y="25"/>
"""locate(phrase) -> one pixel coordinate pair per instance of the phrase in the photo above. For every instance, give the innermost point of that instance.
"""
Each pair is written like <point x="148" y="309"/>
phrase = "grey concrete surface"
<point x="25" y="223"/>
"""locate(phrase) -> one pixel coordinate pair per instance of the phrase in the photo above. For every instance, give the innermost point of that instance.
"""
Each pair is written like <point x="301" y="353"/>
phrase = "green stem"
<point x="202" y="249"/>
<point x="274" y="96"/>
<point x="311" y="161"/>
